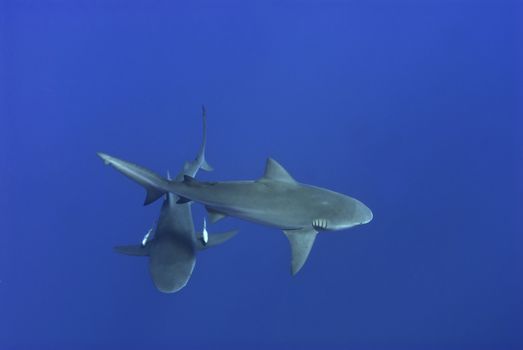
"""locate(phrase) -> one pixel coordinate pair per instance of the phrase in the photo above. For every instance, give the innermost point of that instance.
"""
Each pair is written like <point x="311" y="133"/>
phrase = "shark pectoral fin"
<point x="301" y="242"/>
<point x="215" y="239"/>
<point x="214" y="216"/>
<point x="134" y="250"/>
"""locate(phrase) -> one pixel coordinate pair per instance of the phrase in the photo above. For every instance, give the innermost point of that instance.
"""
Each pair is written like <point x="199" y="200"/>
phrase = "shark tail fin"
<point x="214" y="239"/>
<point x="132" y="250"/>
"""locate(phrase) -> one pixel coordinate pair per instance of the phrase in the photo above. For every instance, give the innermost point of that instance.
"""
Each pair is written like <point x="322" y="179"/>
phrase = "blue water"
<point x="413" y="107"/>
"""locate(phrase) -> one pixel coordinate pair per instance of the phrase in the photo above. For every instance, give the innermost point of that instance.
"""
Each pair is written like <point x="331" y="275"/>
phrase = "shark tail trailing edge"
<point x="201" y="154"/>
<point x="206" y="166"/>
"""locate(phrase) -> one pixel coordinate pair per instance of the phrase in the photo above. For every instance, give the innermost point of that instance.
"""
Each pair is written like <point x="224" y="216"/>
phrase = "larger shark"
<point x="276" y="199"/>
<point x="173" y="245"/>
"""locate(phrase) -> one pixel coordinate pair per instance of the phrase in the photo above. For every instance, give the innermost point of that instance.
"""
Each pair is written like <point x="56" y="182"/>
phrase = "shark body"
<point x="276" y="199"/>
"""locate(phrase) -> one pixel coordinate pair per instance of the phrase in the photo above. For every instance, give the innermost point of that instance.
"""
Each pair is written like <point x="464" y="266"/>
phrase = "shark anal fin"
<point x="301" y="242"/>
<point x="152" y="194"/>
<point x="133" y="250"/>
<point x="214" y="216"/>
<point x="215" y="239"/>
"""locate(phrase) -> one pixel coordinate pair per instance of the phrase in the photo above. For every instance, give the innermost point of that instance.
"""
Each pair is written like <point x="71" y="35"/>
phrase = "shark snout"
<point x="364" y="214"/>
<point x="353" y="213"/>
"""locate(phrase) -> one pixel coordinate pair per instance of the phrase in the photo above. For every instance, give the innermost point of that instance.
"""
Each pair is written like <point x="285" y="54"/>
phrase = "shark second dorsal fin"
<point x="301" y="242"/>
<point x="274" y="171"/>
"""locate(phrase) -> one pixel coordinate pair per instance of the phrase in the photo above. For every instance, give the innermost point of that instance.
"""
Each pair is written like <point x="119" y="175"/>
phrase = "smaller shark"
<point x="173" y="247"/>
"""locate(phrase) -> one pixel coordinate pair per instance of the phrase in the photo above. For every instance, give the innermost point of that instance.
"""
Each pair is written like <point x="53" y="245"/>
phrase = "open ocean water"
<point x="413" y="107"/>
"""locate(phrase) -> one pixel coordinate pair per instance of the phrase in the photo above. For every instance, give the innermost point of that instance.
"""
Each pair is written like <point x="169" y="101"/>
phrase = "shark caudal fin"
<point x="206" y="166"/>
<point x="133" y="250"/>
<point x="153" y="183"/>
<point x="301" y="242"/>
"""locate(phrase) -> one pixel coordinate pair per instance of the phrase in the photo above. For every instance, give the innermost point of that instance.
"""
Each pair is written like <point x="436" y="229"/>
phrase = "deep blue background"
<point x="414" y="107"/>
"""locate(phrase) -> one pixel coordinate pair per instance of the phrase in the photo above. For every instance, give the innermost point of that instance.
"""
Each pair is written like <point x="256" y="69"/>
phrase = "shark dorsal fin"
<point x="274" y="171"/>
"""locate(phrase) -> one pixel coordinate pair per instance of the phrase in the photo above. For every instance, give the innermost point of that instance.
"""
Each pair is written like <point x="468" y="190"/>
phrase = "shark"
<point x="276" y="199"/>
<point x="172" y="245"/>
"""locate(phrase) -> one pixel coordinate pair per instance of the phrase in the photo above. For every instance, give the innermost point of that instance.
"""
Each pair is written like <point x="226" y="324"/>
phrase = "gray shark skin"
<point x="172" y="250"/>
<point x="276" y="199"/>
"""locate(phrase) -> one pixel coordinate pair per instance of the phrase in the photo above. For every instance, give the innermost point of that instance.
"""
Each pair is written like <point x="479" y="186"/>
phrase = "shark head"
<point x="341" y="212"/>
<point x="171" y="264"/>
<point x="355" y="213"/>
<point x="332" y="212"/>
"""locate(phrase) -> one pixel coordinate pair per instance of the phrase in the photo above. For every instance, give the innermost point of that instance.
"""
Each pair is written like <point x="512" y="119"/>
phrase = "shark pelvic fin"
<point x="152" y="194"/>
<point x="301" y="242"/>
<point x="214" y="216"/>
<point x="274" y="171"/>
<point x="133" y="250"/>
<point x="188" y="179"/>
<point x="182" y="200"/>
<point x="215" y="239"/>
